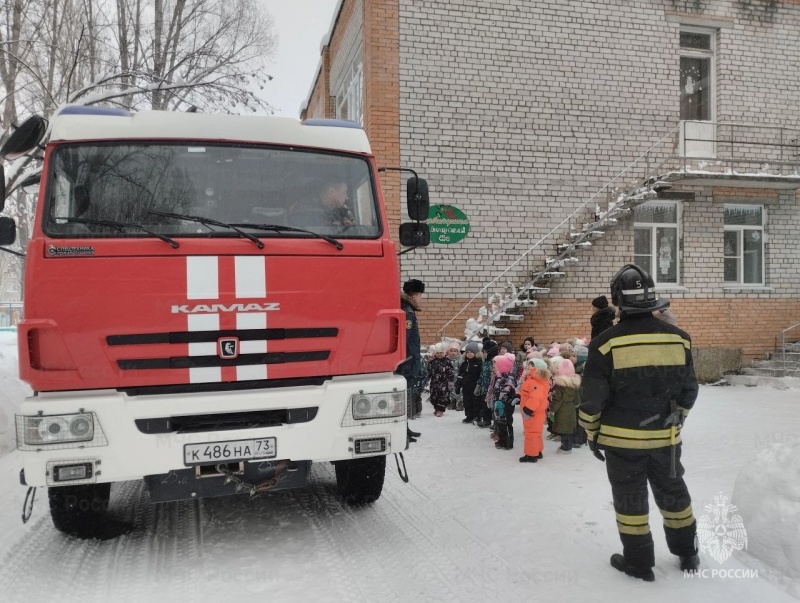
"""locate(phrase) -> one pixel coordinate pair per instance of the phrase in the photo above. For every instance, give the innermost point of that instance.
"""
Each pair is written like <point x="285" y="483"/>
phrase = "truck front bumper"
<point x="121" y="450"/>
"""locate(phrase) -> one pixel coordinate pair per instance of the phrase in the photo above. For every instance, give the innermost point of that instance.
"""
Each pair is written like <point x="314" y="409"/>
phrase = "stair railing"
<point x="782" y="336"/>
<point x="605" y="189"/>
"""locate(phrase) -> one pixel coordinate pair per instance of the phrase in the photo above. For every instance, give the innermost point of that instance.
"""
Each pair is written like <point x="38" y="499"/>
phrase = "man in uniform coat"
<point x="411" y="368"/>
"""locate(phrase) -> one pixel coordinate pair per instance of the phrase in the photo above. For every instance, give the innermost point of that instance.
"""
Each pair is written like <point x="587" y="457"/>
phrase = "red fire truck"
<point x="211" y="305"/>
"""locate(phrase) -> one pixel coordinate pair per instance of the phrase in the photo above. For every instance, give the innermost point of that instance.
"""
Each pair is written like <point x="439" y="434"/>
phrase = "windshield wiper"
<point x="120" y="226"/>
<point x="281" y="228"/>
<point x="209" y="222"/>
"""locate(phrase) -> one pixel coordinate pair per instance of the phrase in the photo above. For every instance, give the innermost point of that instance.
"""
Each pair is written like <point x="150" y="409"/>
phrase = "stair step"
<point x="755" y="380"/>
<point x="553" y="275"/>
<point x="491" y="331"/>
<point x="771" y="372"/>
<point x="535" y="290"/>
<point x="525" y="303"/>
<point x="582" y="245"/>
<point x="510" y="317"/>
<point x="592" y="234"/>
<point x="619" y="211"/>
<point x="790" y="356"/>
<point x="777" y="363"/>
<point x="601" y="223"/>
<point x="553" y="263"/>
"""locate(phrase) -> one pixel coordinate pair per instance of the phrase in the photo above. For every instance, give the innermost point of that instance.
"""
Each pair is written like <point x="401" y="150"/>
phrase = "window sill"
<point x="747" y="289"/>
<point x="670" y="288"/>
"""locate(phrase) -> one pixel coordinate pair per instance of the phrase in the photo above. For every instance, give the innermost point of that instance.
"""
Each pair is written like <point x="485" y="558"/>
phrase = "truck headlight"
<point x="58" y="429"/>
<point x="378" y="406"/>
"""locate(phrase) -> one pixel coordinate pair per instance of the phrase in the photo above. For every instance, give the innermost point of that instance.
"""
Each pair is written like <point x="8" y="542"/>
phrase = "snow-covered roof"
<point x="201" y="126"/>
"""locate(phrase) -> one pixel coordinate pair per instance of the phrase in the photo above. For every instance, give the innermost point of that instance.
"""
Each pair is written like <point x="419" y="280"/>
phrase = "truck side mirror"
<point x="418" y="200"/>
<point x="415" y="234"/>
<point x="8" y="231"/>
<point x="25" y="137"/>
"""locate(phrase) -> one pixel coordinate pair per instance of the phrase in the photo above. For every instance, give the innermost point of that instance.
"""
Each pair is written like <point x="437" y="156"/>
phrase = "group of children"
<point x="490" y="380"/>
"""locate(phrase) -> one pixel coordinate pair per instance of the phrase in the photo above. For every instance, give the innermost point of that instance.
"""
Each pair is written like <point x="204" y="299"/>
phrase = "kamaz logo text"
<point x="216" y="308"/>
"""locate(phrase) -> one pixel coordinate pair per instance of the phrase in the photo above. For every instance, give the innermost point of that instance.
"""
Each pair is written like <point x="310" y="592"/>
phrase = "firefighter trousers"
<point x="629" y="471"/>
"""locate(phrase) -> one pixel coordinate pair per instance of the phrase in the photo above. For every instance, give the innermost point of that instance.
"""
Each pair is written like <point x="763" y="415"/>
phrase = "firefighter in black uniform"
<point x="638" y="386"/>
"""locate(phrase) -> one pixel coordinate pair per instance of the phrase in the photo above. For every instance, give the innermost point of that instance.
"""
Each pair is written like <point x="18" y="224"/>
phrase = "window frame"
<point x="697" y="53"/>
<point x="740" y="229"/>
<point x="351" y="94"/>
<point x="652" y="227"/>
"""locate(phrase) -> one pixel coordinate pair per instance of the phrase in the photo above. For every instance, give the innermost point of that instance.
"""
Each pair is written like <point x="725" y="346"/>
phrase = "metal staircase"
<point x="737" y="155"/>
<point x="510" y="304"/>
<point x="780" y="369"/>
<point x="514" y="303"/>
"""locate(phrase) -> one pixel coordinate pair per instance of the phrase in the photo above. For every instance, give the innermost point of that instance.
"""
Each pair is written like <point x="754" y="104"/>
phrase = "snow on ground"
<point x="12" y="390"/>
<point x="473" y="524"/>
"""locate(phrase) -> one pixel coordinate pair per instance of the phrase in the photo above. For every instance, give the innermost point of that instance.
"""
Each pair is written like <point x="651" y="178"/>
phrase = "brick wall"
<point x="518" y="113"/>
<point x="382" y="96"/>
<point x="751" y="324"/>
<point x="319" y="103"/>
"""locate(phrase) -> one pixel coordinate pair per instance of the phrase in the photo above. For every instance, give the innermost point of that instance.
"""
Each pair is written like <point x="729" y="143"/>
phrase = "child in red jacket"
<point x="533" y="407"/>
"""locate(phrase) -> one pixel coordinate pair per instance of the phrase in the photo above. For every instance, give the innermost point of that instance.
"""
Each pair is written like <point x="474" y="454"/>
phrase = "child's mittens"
<point x="527" y="413"/>
<point x="551" y="416"/>
<point x="478" y="390"/>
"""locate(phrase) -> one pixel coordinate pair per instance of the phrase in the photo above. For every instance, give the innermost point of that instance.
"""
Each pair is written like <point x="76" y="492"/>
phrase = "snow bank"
<point x="12" y="390"/>
<point x="767" y="494"/>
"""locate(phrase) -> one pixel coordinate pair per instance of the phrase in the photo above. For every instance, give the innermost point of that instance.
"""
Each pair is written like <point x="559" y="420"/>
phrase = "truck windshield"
<point x="325" y="193"/>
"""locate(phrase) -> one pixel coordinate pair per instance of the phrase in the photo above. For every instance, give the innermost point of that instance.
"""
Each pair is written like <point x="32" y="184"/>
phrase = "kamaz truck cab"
<point x="197" y="315"/>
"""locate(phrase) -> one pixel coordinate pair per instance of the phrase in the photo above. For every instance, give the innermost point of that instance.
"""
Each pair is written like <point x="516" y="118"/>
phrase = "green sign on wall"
<point x="448" y="224"/>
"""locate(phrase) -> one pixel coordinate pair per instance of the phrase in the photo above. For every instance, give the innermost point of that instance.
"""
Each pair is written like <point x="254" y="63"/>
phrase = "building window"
<point x="655" y="240"/>
<point x="697" y="74"/>
<point x="744" y="244"/>
<point x="349" y="98"/>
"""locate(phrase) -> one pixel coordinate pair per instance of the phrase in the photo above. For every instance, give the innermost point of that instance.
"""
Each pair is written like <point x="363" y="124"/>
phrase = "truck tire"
<point x="79" y="510"/>
<point x="360" y="481"/>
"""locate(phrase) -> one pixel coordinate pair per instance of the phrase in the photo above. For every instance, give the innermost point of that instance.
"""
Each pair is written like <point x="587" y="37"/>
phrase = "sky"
<point x="300" y="26"/>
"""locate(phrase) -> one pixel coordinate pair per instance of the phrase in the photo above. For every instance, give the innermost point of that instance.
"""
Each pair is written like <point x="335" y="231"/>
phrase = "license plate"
<point x="225" y="452"/>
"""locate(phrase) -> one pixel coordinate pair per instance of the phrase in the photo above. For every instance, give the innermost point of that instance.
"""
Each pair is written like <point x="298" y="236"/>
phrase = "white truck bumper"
<point x="121" y="451"/>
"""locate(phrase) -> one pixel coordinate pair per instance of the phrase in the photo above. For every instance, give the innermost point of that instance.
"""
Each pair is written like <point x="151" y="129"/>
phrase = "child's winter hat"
<point x="565" y="368"/>
<point x="454" y="344"/>
<point x="565" y="347"/>
<point x="554" y="351"/>
<point x="508" y="346"/>
<point x="441" y="348"/>
<point x="504" y="362"/>
<point x="490" y="349"/>
<point x="555" y="361"/>
<point x="539" y="364"/>
<point x="600" y="302"/>
<point x="432" y="348"/>
<point x="473" y="347"/>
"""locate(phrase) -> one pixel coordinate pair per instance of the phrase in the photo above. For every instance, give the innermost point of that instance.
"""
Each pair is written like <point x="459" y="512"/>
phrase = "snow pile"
<point x="12" y="390"/>
<point x="767" y="493"/>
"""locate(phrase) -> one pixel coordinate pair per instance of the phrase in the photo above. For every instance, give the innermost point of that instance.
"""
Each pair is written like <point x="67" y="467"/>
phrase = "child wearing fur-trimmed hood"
<point x="440" y="371"/>
<point x="566" y="398"/>
<point x="533" y="407"/>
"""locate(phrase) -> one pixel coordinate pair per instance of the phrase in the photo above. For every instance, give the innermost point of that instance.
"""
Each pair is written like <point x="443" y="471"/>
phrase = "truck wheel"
<point x="79" y="510"/>
<point x="360" y="481"/>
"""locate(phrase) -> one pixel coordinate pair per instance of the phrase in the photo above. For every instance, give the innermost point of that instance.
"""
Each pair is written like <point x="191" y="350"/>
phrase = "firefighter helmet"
<point x="632" y="291"/>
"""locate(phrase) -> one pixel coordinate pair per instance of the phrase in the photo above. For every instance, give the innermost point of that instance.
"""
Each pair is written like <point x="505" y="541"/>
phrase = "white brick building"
<point x="519" y="113"/>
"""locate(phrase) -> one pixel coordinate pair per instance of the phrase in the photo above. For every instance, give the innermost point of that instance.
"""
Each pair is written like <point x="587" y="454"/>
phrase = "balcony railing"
<point x="730" y="153"/>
